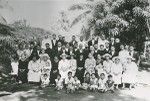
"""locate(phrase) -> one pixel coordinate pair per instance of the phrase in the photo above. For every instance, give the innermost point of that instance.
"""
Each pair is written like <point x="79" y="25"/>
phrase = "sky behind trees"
<point x="38" y="13"/>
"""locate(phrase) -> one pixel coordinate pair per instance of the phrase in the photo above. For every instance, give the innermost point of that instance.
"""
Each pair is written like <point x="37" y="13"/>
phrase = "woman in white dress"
<point x="73" y="65"/>
<point x="34" y="73"/>
<point x="90" y="64"/>
<point x="123" y="53"/>
<point x="107" y="64"/>
<point x="130" y="73"/>
<point x="117" y="70"/>
<point x="64" y="66"/>
<point x="46" y="65"/>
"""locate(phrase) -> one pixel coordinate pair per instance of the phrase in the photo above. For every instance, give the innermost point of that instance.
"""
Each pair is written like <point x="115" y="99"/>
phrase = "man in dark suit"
<point x="58" y="50"/>
<point x="96" y="51"/>
<point x="54" y="42"/>
<point x="73" y="41"/>
<point x="92" y="42"/>
<point x="49" y="50"/>
<point x="113" y="52"/>
<point x="80" y="51"/>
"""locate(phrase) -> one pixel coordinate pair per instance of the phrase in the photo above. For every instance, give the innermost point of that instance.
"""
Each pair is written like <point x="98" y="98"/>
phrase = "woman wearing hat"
<point x="73" y="64"/>
<point x="117" y="71"/>
<point x="130" y="72"/>
<point x="107" y="63"/>
<point x="64" y="66"/>
<point x="34" y="71"/>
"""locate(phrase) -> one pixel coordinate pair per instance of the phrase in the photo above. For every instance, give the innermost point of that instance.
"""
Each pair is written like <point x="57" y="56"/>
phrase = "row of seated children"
<point x="91" y="83"/>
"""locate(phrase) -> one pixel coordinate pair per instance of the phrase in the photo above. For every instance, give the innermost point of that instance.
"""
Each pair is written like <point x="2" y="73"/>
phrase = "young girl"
<point x="59" y="82"/>
<point x="117" y="71"/>
<point x="102" y="83"/>
<point x="14" y="66"/>
<point x="44" y="80"/>
<point x="77" y="84"/>
<point x="69" y="81"/>
<point x="86" y="82"/>
<point x="93" y="82"/>
<point x="130" y="72"/>
<point x="110" y="84"/>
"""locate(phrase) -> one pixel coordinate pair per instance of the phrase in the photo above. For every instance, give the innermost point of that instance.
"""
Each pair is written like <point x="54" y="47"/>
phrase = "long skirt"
<point x="117" y="78"/>
<point x="64" y="74"/>
<point x="80" y="75"/>
<point x="129" y="78"/>
<point x="22" y="71"/>
<point x="53" y="76"/>
<point x="34" y="76"/>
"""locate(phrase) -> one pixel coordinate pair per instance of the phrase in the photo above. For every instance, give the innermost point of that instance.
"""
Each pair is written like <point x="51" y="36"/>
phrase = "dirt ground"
<point x="28" y="92"/>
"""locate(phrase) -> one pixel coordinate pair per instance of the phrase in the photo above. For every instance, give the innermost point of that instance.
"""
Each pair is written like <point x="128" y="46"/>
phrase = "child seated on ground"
<point x="69" y="82"/>
<point x="86" y="82"/>
<point x="77" y="84"/>
<point x="14" y="66"/>
<point x="110" y="84"/>
<point x="93" y="82"/>
<point x="59" y="82"/>
<point x="44" y="80"/>
<point x="101" y="83"/>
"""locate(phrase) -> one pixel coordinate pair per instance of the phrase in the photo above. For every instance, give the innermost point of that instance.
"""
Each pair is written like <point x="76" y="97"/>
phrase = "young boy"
<point x="59" y="82"/>
<point x="44" y="80"/>
<point x="77" y="84"/>
<point x="86" y="83"/>
<point x="101" y="83"/>
<point x="93" y="82"/>
<point x="69" y="82"/>
<point x="110" y="84"/>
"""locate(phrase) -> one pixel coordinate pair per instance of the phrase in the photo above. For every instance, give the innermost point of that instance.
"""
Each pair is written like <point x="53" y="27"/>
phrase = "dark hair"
<point x="102" y="74"/>
<point x="110" y="76"/>
<point x="87" y="73"/>
<point x="69" y="72"/>
<point x="59" y="75"/>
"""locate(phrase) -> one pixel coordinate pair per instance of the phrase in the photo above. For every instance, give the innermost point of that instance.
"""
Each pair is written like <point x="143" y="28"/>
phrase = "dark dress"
<point x="23" y="70"/>
<point x="53" y="74"/>
<point x="80" y="73"/>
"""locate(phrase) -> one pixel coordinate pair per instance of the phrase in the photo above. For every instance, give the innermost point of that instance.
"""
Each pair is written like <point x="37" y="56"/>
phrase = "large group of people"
<point x="99" y="64"/>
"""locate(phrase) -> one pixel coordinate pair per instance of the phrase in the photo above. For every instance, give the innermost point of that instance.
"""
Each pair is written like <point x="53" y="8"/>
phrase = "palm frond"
<point x="80" y="17"/>
<point x="81" y="6"/>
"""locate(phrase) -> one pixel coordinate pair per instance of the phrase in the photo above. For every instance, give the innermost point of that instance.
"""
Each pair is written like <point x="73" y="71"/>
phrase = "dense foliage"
<point x="127" y="19"/>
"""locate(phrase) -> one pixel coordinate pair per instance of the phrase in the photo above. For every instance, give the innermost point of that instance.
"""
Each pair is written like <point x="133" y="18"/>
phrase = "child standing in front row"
<point x="110" y="84"/>
<point x="45" y="80"/>
<point x="102" y="83"/>
<point x="93" y="82"/>
<point x="86" y="83"/>
<point x="69" y="82"/>
<point x="59" y="82"/>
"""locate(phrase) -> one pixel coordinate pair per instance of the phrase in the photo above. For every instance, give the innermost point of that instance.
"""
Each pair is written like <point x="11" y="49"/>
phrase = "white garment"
<point x="102" y="84"/>
<point x="34" y="73"/>
<point x="100" y="69"/>
<point x="73" y="66"/>
<point x="117" y="72"/>
<point x="83" y="43"/>
<point x="14" y="66"/>
<point x="90" y="65"/>
<point x="46" y="67"/>
<point x="59" y="83"/>
<point x="45" y="81"/>
<point x="69" y="83"/>
<point x="107" y="66"/>
<point x="130" y="73"/>
<point x="123" y="54"/>
<point x="63" y="67"/>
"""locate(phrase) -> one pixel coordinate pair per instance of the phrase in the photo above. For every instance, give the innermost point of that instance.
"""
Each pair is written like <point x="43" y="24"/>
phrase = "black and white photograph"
<point x="74" y="50"/>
